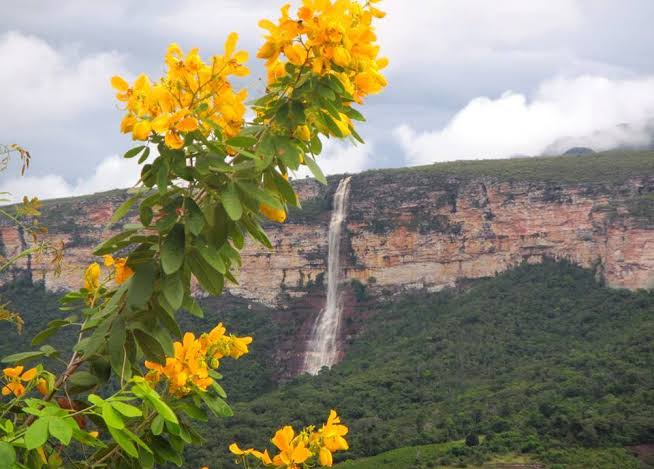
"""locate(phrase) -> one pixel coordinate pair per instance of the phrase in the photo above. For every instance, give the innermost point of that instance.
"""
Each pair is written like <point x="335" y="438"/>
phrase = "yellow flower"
<point x="127" y="124"/>
<point x="188" y="369"/>
<point x="325" y="457"/>
<point x="119" y="83"/>
<point x="141" y="130"/>
<point x="94" y="434"/>
<point x="292" y="450"/>
<point x="274" y="214"/>
<point x="92" y="276"/>
<point x="161" y="123"/>
<point x="123" y="271"/>
<point x="173" y="140"/>
<point x="295" y="53"/>
<point x="332" y="37"/>
<point x="188" y="124"/>
<point x="333" y="433"/>
<point x="341" y="57"/>
<point x="239" y="346"/>
<point x="303" y="133"/>
<point x="262" y="456"/>
<point x="192" y="95"/>
<point x="343" y="124"/>
<point x="42" y="387"/>
<point x="16" y="375"/>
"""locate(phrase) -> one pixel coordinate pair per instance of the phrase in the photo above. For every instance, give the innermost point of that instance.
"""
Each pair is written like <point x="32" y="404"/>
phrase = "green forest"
<point x="538" y="364"/>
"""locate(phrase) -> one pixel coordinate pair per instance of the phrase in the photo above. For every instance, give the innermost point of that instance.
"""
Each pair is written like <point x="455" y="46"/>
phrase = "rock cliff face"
<point x="424" y="228"/>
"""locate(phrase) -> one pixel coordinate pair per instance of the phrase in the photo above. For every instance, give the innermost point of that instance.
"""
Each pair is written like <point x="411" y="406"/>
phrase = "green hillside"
<point x="540" y="363"/>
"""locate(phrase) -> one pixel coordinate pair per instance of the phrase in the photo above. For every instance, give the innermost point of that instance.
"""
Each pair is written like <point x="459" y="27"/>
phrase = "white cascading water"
<point x="322" y="345"/>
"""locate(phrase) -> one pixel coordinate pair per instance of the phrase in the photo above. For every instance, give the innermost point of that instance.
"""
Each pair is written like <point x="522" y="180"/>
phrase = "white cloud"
<point x="112" y="173"/>
<point x="212" y="20"/>
<point x="43" y="85"/>
<point x="420" y="32"/>
<point x="516" y="124"/>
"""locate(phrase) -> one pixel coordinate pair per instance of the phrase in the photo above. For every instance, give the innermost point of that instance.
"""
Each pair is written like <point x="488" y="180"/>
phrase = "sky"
<point x="468" y="79"/>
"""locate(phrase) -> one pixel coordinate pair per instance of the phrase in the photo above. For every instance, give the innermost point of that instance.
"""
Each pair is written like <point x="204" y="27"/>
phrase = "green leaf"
<point x="217" y="405"/>
<point x="126" y="409"/>
<point x="110" y="245"/>
<point x="172" y="251"/>
<point x="354" y="114"/>
<point x="285" y="189"/>
<point x="315" y="145"/>
<point x="123" y="209"/>
<point x="146" y="214"/>
<point x="241" y="141"/>
<point x="82" y="381"/>
<point x="7" y="455"/>
<point x="124" y="442"/>
<point x="212" y="257"/>
<point x="315" y="169"/>
<point x="142" y="284"/>
<point x="326" y="93"/>
<point x="61" y="430"/>
<point x="134" y="151"/>
<point x="22" y="357"/>
<point x="167" y="318"/>
<point x="145" y="155"/>
<point x="356" y="135"/>
<point x="162" y="409"/>
<point x="193" y="411"/>
<point x="157" y="425"/>
<point x="146" y="460"/>
<point x="173" y="290"/>
<point x="193" y="307"/>
<point x="260" y="195"/>
<point x="116" y="346"/>
<point x="37" y="433"/>
<point x="95" y="400"/>
<point x="210" y="279"/>
<point x="232" y="203"/>
<point x="150" y="346"/>
<point x="162" y="179"/>
<point x="164" y="450"/>
<point x="111" y="417"/>
<point x="101" y="368"/>
<point x="195" y="217"/>
<point x="44" y="335"/>
<point x="330" y="124"/>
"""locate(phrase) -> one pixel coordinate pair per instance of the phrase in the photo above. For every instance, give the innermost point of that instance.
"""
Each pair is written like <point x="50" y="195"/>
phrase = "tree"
<point x="208" y="176"/>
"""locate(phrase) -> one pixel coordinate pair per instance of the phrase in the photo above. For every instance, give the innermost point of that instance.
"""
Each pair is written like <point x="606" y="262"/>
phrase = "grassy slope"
<point x="611" y="166"/>
<point x="418" y="457"/>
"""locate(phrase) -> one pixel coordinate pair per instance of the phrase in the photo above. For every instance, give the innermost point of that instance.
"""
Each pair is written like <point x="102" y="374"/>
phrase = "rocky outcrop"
<point x="422" y="228"/>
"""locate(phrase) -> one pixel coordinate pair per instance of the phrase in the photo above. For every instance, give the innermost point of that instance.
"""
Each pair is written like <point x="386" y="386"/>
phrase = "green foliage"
<point x="538" y="358"/>
<point x="549" y="365"/>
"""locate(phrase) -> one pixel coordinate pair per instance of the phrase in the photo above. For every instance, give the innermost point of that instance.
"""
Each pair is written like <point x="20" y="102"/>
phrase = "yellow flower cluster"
<point x="188" y="369"/>
<point x="121" y="272"/>
<point x="331" y="37"/>
<point x="192" y="95"/>
<point x="15" y="378"/>
<point x="295" y="450"/>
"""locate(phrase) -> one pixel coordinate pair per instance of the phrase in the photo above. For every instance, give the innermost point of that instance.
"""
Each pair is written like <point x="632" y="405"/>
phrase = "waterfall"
<point x="322" y="345"/>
